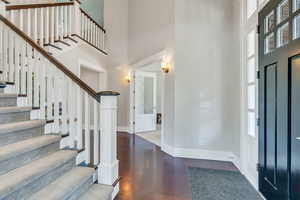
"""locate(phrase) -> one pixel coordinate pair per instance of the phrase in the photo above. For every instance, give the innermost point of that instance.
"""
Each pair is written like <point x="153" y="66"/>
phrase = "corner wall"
<point x="207" y="81"/>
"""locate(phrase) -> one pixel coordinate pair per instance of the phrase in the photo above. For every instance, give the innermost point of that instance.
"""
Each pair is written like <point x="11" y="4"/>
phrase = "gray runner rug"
<point x="207" y="184"/>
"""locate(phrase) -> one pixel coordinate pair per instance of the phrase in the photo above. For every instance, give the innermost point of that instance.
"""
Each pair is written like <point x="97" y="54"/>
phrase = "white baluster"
<point x="1" y="49"/>
<point x="49" y="95"/>
<point x="65" y="21"/>
<point x="79" y="97"/>
<point x="41" y="26"/>
<point x="52" y="33"/>
<point x="21" y="20"/>
<point x="5" y="53"/>
<point x="61" y="22"/>
<point x="71" y="112"/>
<point x="23" y="67"/>
<point x="57" y="23"/>
<point x="56" y="100"/>
<point x="64" y="104"/>
<point x="29" y="75"/>
<point x="17" y="64"/>
<point x="96" y="132"/>
<point x="87" y="128"/>
<point x="29" y="22"/>
<point x="47" y="20"/>
<point x="43" y="88"/>
<point x="69" y="20"/>
<point x="36" y="83"/>
<point x="35" y="24"/>
<point x="11" y="55"/>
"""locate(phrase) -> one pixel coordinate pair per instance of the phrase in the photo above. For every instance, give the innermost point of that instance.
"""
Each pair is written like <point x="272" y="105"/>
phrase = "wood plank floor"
<point x="150" y="174"/>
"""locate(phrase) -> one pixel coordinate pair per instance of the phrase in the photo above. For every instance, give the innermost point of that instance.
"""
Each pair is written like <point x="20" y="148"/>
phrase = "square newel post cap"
<point x="108" y="93"/>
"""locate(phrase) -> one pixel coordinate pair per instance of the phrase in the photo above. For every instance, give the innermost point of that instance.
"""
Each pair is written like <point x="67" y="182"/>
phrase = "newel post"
<point x="77" y="18"/>
<point x="109" y="165"/>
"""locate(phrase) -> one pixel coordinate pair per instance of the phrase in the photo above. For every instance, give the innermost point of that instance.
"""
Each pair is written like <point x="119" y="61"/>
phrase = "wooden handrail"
<point x="39" y="5"/>
<point x="7" y="2"/>
<point x="88" y="16"/>
<point x="51" y="59"/>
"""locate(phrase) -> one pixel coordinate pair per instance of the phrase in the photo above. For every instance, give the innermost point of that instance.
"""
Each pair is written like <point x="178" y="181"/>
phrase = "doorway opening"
<point x="148" y="111"/>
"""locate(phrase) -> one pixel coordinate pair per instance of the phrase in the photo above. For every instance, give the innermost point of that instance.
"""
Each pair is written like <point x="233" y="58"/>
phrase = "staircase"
<point x="57" y="135"/>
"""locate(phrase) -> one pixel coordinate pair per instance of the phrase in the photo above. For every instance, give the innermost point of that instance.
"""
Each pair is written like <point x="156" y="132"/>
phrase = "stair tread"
<point x="17" y="126"/>
<point x="19" y="177"/>
<point x="64" y="185"/>
<point x="12" y="150"/>
<point x="14" y="109"/>
<point x="4" y="95"/>
<point x="98" y="192"/>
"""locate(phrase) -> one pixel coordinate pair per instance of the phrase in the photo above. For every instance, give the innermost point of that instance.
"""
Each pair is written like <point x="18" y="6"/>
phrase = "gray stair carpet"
<point x="32" y="165"/>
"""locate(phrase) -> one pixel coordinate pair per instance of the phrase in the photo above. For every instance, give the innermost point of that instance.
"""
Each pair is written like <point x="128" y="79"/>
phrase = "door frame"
<point x="156" y="58"/>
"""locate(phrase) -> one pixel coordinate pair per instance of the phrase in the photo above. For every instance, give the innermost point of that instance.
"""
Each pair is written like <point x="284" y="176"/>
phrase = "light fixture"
<point x="165" y="67"/>
<point x="128" y="78"/>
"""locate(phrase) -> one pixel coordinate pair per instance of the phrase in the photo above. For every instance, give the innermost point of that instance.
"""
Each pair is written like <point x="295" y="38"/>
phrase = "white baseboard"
<point x="123" y="129"/>
<point x="202" y="154"/>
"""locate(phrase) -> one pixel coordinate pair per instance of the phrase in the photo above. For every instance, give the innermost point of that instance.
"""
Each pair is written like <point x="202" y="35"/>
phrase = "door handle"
<point x="297" y="138"/>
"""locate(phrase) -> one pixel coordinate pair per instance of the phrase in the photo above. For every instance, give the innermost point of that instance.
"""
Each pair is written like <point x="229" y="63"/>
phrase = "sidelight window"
<point x="251" y="82"/>
<point x="283" y="35"/>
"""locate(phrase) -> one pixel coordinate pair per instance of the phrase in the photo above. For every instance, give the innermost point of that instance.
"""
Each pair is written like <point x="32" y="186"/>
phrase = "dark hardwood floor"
<point x="150" y="174"/>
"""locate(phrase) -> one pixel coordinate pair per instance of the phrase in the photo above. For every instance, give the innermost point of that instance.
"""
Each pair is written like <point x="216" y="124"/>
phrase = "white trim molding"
<point x="123" y="129"/>
<point x="202" y="154"/>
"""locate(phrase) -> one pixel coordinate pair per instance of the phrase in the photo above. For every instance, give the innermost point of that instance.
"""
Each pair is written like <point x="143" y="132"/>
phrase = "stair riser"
<point x="81" y="189"/>
<point x="17" y="136"/>
<point x="37" y="183"/>
<point x="26" y="158"/>
<point x="8" y="102"/>
<point x="14" y="117"/>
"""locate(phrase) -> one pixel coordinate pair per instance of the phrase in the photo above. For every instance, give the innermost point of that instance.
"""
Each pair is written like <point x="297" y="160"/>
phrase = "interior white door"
<point x="145" y="101"/>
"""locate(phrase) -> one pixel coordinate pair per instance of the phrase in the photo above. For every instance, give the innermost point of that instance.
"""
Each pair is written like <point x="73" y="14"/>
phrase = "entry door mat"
<point x="208" y="184"/>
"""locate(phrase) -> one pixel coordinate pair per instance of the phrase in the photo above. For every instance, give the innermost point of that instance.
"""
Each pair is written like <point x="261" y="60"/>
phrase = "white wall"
<point x="116" y="24"/>
<point x="150" y="27"/>
<point x="95" y="8"/>
<point x="207" y="72"/>
<point x="203" y="87"/>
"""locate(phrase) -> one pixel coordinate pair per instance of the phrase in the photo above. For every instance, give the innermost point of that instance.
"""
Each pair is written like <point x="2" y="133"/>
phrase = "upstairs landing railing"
<point x="47" y="23"/>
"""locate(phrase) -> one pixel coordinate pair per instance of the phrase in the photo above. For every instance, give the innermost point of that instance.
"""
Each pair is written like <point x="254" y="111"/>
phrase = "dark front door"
<point x="279" y="100"/>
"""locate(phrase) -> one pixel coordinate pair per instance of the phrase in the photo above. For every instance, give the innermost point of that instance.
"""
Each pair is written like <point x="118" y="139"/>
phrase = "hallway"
<point x="150" y="174"/>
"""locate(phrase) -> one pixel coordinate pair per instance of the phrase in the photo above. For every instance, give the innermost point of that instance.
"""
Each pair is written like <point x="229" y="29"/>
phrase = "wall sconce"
<point x="128" y="78"/>
<point x="165" y="67"/>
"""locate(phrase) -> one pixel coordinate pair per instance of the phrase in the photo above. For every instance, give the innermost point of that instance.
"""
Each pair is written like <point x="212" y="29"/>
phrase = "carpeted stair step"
<point x="69" y="186"/>
<point x="23" y="182"/>
<point x="21" y="153"/>
<point x="98" y="192"/>
<point x="14" y="114"/>
<point x="8" y="100"/>
<point x="15" y="132"/>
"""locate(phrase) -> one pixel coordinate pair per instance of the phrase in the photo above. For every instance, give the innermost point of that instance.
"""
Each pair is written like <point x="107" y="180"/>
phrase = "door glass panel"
<point x="251" y="124"/>
<point x="296" y="5"/>
<point x="251" y="70"/>
<point x="251" y="43"/>
<point x="283" y="34"/>
<point x="251" y="97"/>
<point x="296" y="27"/>
<point x="270" y="22"/>
<point x="148" y="95"/>
<point x="270" y="43"/>
<point x="282" y="11"/>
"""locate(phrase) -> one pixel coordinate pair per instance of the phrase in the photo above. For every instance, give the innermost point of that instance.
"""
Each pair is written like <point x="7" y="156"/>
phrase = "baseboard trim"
<point x="202" y="154"/>
<point x="123" y="129"/>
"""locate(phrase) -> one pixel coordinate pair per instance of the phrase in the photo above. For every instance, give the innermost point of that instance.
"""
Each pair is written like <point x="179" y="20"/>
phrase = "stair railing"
<point x="47" y="23"/>
<point x="60" y="97"/>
